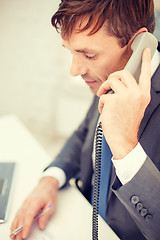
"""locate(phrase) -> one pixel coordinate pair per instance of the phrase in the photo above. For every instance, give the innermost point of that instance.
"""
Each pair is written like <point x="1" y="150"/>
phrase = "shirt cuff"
<point x="57" y="173"/>
<point x="127" y="167"/>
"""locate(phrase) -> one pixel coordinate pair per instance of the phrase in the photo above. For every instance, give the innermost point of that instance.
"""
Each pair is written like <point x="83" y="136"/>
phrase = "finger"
<point x="145" y="76"/>
<point x="104" y="88"/>
<point x="125" y="77"/>
<point x="103" y="100"/>
<point x="18" y="236"/>
<point x="101" y="104"/>
<point x="116" y="84"/>
<point x="15" y="224"/>
<point x="113" y="83"/>
<point x="42" y="220"/>
<point x="30" y="213"/>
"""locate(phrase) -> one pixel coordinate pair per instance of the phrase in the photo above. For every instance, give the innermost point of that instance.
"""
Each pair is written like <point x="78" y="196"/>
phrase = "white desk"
<point x="73" y="215"/>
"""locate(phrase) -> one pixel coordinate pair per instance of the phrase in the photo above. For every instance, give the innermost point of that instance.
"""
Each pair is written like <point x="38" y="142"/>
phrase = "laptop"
<point x="6" y="185"/>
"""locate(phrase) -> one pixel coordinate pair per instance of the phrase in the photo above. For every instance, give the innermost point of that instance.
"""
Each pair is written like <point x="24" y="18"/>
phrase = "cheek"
<point x="102" y="71"/>
<point x="106" y="68"/>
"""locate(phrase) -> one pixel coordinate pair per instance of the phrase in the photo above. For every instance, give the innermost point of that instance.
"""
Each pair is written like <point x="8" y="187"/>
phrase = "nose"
<point x="78" y="66"/>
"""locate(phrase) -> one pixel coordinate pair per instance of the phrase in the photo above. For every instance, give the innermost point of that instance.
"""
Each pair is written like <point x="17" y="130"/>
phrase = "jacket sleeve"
<point x="69" y="157"/>
<point x="141" y="197"/>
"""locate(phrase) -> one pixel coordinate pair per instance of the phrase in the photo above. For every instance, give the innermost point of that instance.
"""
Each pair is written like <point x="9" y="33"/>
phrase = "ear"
<point x="143" y="29"/>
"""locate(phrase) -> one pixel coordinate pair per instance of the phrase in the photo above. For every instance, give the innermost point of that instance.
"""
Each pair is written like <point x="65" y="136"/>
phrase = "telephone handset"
<point x="141" y="41"/>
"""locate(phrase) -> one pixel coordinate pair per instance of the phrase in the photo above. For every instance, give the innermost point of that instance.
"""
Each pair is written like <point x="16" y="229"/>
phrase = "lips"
<point x="90" y="82"/>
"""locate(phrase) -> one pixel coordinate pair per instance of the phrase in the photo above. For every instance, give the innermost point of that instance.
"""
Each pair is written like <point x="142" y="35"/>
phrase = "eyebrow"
<point x="83" y="50"/>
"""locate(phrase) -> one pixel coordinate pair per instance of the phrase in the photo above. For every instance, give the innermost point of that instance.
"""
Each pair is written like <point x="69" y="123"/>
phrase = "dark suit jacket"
<point x="134" y="208"/>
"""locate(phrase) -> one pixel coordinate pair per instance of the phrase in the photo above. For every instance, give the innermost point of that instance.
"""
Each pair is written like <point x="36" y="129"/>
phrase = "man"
<point x="99" y="34"/>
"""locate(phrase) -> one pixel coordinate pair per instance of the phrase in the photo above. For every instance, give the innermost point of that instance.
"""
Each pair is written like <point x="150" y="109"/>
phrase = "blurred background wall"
<point x="34" y="72"/>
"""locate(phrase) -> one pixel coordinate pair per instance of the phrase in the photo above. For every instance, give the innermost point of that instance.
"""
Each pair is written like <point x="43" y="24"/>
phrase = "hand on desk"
<point x="43" y="195"/>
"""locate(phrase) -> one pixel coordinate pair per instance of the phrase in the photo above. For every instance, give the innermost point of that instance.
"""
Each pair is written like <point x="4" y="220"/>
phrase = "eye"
<point x="90" y="57"/>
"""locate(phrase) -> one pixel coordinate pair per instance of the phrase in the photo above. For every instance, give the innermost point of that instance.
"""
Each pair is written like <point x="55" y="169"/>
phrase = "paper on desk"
<point x="52" y="232"/>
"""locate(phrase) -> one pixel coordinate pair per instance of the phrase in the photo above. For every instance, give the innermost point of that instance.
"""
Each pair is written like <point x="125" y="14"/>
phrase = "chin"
<point x="93" y="90"/>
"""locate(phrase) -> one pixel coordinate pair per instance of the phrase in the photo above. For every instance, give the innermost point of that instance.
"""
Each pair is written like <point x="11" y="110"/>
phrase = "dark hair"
<point x="122" y="17"/>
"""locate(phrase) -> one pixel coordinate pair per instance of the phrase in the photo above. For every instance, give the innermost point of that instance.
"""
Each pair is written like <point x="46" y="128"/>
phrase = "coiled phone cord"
<point x="97" y="173"/>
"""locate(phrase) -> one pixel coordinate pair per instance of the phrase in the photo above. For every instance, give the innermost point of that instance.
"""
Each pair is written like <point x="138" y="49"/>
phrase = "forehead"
<point x="97" y="41"/>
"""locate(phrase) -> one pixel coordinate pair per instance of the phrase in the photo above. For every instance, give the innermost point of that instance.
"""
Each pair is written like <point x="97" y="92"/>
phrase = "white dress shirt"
<point x="127" y="167"/>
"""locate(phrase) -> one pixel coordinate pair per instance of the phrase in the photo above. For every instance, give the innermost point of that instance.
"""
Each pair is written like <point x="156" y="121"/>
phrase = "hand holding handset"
<point x="141" y="41"/>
